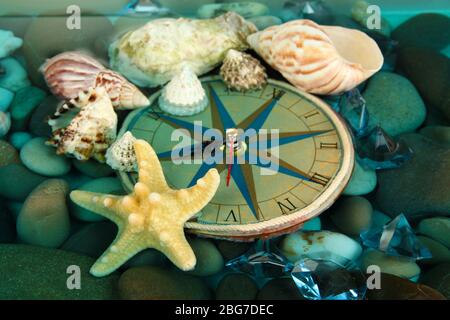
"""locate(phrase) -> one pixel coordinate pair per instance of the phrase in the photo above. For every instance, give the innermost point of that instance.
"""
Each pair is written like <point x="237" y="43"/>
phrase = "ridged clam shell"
<point x="90" y="133"/>
<point x="5" y="123"/>
<point x="241" y="72"/>
<point x="318" y="59"/>
<point x="69" y="73"/>
<point x="121" y="156"/>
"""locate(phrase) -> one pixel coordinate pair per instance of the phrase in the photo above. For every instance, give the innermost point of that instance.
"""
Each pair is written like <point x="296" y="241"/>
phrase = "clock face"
<point x="283" y="156"/>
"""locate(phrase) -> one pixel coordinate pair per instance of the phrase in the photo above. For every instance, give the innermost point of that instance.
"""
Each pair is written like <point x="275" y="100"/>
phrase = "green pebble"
<point x="360" y="15"/>
<point x="312" y="225"/>
<point x="75" y="179"/>
<point x="25" y="101"/>
<point x="93" y="168"/>
<point x="379" y="219"/>
<point x="19" y="139"/>
<point x="436" y="228"/>
<point x="279" y="289"/>
<point x="42" y="159"/>
<point x="156" y="283"/>
<point x="352" y="215"/>
<point x="91" y="240"/>
<point x="35" y="273"/>
<point x="264" y="22"/>
<point x="245" y="9"/>
<point x="14" y="207"/>
<point x="147" y="257"/>
<point x="232" y="249"/>
<point x="38" y="124"/>
<point x="15" y="76"/>
<point x="6" y="97"/>
<point x="16" y="181"/>
<point x="438" y="278"/>
<point x="102" y="185"/>
<point x="397" y="265"/>
<point x="397" y="111"/>
<point x="439" y="252"/>
<point x="44" y="218"/>
<point x="362" y="181"/>
<point x="7" y="225"/>
<point x="8" y="154"/>
<point x="439" y="134"/>
<point x="236" y="286"/>
<point x="209" y="259"/>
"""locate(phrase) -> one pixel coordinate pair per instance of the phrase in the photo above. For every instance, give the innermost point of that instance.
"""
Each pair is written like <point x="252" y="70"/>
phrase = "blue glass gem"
<point x="261" y="261"/>
<point x="352" y="107"/>
<point x="324" y="276"/>
<point x="378" y="150"/>
<point x="396" y="238"/>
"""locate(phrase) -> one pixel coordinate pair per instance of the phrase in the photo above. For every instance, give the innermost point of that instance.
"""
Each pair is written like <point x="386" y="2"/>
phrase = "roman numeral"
<point x="320" y="179"/>
<point x="231" y="214"/>
<point x="327" y="145"/>
<point x="286" y="207"/>
<point x="311" y="114"/>
<point x="277" y="94"/>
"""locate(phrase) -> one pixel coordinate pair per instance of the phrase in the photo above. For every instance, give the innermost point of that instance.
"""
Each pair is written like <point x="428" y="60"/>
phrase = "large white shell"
<point x="318" y="59"/>
<point x="5" y="123"/>
<point x="121" y="156"/>
<point x="183" y="95"/>
<point x="69" y="73"/>
<point x="91" y="132"/>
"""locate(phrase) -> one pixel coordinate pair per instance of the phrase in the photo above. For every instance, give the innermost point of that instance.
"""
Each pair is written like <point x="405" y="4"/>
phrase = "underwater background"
<point x="48" y="243"/>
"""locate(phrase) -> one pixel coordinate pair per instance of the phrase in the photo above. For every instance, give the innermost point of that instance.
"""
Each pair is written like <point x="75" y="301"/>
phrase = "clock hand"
<point x="289" y="137"/>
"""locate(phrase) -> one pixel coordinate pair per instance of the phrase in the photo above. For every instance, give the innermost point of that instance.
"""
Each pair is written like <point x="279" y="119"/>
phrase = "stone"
<point x="16" y="181"/>
<point x="379" y="219"/>
<point x="103" y="185"/>
<point x="362" y="15"/>
<point x="232" y="249"/>
<point x="35" y="273"/>
<point x="352" y="215"/>
<point x="156" y="283"/>
<point x="298" y="244"/>
<point x="396" y="111"/>
<point x="438" y="278"/>
<point x="397" y="288"/>
<point x="25" y="101"/>
<point x="188" y="8"/>
<point x="8" y="154"/>
<point x="7" y="225"/>
<point x="93" y="168"/>
<point x="42" y="159"/>
<point x="419" y="187"/>
<point x="312" y="225"/>
<point x="279" y="289"/>
<point x="44" y="218"/>
<point x="92" y="239"/>
<point x="209" y="259"/>
<point x="236" y="286"/>
<point x="436" y="228"/>
<point x="14" y="208"/>
<point x="245" y="9"/>
<point x="147" y="257"/>
<point x="19" y="139"/>
<point x="429" y="30"/>
<point x="75" y="179"/>
<point x="9" y="43"/>
<point x="439" y="252"/>
<point x="14" y="77"/>
<point x="400" y="266"/>
<point x="6" y="97"/>
<point x="362" y="181"/>
<point x="439" y="134"/>
<point x="429" y="71"/>
<point x="264" y="22"/>
<point x="38" y="122"/>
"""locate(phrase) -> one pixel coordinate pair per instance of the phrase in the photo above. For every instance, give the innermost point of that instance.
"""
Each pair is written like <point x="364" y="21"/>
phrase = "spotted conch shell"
<point x="121" y="155"/>
<point x="318" y="59"/>
<point x="69" y="73"/>
<point x="93" y="129"/>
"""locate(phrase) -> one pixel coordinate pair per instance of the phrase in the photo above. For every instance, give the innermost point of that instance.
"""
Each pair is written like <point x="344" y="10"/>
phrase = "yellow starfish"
<point x="153" y="216"/>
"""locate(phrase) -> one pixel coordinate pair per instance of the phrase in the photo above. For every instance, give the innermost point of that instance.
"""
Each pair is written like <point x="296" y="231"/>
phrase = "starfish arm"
<point x="150" y="170"/>
<point x="104" y="205"/>
<point x="125" y="246"/>
<point x="193" y="199"/>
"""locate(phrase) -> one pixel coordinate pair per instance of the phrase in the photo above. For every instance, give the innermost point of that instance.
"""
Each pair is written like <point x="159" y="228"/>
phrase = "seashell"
<point x="5" y="123"/>
<point x="153" y="54"/>
<point x="318" y="59"/>
<point x="121" y="156"/>
<point x="69" y="73"/>
<point x="183" y="95"/>
<point x="93" y="129"/>
<point x="241" y="72"/>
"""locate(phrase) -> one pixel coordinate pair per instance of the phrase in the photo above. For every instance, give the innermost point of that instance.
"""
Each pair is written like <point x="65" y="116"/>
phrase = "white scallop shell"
<point x="5" y="123"/>
<point x="184" y="94"/>
<point x="90" y="133"/>
<point x="318" y="59"/>
<point x="121" y="156"/>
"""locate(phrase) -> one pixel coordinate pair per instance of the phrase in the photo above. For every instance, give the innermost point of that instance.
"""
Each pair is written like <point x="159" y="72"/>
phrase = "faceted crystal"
<point x="352" y="107"/>
<point x="396" y="238"/>
<point x="333" y="101"/>
<point x="378" y="150"/>
<point x="261" y="261"/>
<point x="325" y="276"/>
<point x="145" y="7"/>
